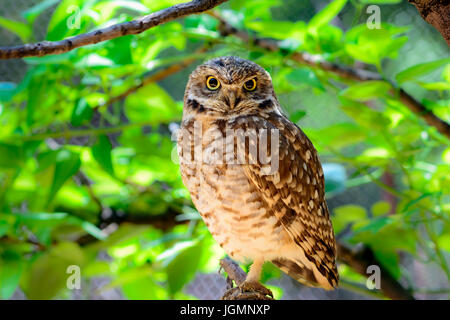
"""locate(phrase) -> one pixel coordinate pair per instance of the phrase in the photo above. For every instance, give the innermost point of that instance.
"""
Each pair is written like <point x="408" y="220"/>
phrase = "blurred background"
<point x="88" y="168"/>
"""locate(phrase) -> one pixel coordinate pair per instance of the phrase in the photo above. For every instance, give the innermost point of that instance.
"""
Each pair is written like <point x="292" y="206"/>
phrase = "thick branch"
<point x="361" y="260"/>
<point x="436" y="13"/>
<point x="232" y="269"/>
<point x="343" y="72"/>
<point x="236" y="274"/>
<point x="118" y="30"/>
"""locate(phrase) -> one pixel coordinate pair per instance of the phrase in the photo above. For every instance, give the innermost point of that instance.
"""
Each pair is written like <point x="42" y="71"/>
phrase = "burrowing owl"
<point x="253" y="175"/>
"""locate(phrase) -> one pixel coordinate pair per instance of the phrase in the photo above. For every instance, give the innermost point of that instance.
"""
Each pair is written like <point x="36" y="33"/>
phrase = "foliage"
<point x="72" y="164"/>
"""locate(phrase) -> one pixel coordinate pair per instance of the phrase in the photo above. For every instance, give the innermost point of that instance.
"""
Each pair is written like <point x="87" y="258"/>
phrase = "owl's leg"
<point x="251" y="283"/>
<point x="250" y="289"/>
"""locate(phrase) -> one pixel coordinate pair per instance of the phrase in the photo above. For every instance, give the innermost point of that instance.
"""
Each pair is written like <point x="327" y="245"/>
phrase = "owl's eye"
<point x="212" y="83"/>
<point x="250" y="85"/>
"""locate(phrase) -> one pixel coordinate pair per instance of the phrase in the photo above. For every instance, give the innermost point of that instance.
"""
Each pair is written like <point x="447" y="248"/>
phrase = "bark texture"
<point x="436" y="13"/>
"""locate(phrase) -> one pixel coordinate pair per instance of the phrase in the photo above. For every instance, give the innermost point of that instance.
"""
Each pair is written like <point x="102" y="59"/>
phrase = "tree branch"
<point x="233" y="271"/>
<point x="361" y="260"/>
<point x="436" y="13"/>
<point x="158" y="76"/>
<point x="343" y="72"/>
<point x="236" y="274"/>
<point x="118" y="30"/>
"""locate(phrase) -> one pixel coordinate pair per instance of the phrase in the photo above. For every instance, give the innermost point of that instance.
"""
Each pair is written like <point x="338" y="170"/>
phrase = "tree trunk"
<point x="436" y="13"/>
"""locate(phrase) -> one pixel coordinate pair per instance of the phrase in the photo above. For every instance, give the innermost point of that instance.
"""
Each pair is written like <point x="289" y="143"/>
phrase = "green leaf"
<point x="123" y="233"/>
<point x="101" y="152"/>
<point x="23" y="30"/>
<point x="119" y="50"/>
<point x="389" y="234"/>
<point x="438" y="86"/>
<point x="380" y="1"/>
<point x="39" y="94"/>
<point x="41" y="220"/>
<point x="327" y="39"/>
<point x="327" y="14"/>
<point x="48" y="274"/>
<point x="416" y="71"/>
<point x="108" y="9"/>
<point x="366" y="117"/>
<point x="4" y="227"/>
<point x="11" y="268"/>
<point x="373" y="225"/>
<point x="305" y="76"/>
<point x="151" y="103"/>
<point x="367" y="90"/>
<point x="374" y="45"/>
<point x="67" y="164"/>
<point x="90" y="228"/>
<point x="269" y="271"/>
<point x="279" y="29"/>
<point x="389" y="260"/>
<point x="444" y="242"/>
<point x="205" y="22"/>
<point x="346" y="214"/>
<point x="11" y="156"/>
<point x="69" y="18"/>
<point x="144" y="288"/>
<point x="338" y="135"/>
<point x="81" y="113"/>
<point x="297" y="115"/>
<point x="32" y="13"/>
<point x="446" y="73"/>
<point x="7" y="90"/>
<point x="380" y="208"/>
<point x="181" y="262"/>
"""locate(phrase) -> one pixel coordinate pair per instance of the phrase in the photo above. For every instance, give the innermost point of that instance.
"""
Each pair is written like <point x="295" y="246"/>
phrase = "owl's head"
<point x="229" y="85"/>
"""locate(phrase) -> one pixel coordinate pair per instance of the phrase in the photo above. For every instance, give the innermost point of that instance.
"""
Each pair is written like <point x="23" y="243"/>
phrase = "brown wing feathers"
<point x="296" y="196"/>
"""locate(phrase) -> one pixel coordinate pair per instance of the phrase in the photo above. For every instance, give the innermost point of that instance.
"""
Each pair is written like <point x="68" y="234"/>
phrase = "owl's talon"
<point x="248" y="291"/>
<point x="253" y="286"/>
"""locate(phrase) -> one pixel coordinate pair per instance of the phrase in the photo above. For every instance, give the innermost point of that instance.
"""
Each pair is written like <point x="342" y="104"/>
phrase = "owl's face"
<point x="229" y="85"/>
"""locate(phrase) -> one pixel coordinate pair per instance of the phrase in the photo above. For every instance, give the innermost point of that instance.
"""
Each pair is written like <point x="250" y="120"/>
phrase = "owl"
<point x="254" y="176"/>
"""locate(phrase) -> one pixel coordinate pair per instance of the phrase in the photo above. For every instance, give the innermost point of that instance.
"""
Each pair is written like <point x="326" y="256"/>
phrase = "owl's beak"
<point x="233" y="98"/>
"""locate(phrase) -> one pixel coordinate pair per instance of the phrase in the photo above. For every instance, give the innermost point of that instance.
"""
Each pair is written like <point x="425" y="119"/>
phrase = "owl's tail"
<point x="306" y="276"/>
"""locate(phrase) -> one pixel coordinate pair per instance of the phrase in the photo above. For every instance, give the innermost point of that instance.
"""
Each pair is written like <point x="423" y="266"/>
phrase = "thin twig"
<point x="158" y="76"/>
<point x="356" y="287"/>
<point x="118" y="30"/>
<point x="83" y="132"/>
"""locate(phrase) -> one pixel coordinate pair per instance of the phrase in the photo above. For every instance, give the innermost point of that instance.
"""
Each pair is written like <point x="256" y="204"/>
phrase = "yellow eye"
<point x="250" y="85"/>
<point x="212" y="83"/>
